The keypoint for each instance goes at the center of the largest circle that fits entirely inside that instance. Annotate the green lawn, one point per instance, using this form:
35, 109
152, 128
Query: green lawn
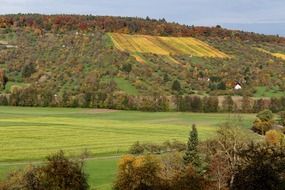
126, 86
9, 85
30, 134
102, 172
123, 85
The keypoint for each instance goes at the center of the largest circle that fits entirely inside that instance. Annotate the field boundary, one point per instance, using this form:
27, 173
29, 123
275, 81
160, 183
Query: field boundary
17, 163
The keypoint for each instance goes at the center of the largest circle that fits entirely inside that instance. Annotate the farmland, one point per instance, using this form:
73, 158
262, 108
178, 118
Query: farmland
29, 134
164, 45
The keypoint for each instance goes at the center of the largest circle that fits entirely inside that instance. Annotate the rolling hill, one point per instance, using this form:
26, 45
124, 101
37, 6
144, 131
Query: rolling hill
90, 61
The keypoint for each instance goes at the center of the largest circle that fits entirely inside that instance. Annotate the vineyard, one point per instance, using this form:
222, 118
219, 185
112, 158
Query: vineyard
278, 55
164, 45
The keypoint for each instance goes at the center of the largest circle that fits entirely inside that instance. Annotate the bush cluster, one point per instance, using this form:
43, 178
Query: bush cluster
59, 173
167, 146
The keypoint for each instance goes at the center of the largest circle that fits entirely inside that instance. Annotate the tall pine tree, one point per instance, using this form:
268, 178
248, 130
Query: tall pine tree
191, 154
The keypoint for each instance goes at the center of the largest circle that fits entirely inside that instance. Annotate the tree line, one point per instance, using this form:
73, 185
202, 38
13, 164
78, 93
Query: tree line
36, 96
128, 25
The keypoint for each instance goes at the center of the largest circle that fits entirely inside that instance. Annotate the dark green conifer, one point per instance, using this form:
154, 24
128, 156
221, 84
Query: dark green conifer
191, 154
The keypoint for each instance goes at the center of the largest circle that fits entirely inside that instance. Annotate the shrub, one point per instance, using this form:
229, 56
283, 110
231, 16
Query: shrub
261, 127
167, 146
228, 104
176, 86
27, 179
28, 70
157, 173
176, 146
211, 104
3, 100
265, 115
153, 148
275, 105
189, 179
261, 167
3, 79
136, 148
246, 105
264, 122
138, 173
259, 105
274, 137
282, 118
59, 173
64, 174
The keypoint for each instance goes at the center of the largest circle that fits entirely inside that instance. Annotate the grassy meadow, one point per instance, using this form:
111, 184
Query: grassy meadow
30, 134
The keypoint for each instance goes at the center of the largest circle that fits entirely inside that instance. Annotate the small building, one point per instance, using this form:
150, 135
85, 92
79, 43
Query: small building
238, 86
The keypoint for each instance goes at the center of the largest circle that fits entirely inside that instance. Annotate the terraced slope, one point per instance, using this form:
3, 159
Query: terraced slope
164, 45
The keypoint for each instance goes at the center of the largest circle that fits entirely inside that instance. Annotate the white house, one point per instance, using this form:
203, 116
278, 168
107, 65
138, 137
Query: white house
238, 86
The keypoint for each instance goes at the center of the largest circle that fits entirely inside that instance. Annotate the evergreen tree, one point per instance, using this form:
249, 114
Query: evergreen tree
176, 86
28, 70
127, 68
191, 154
166, 78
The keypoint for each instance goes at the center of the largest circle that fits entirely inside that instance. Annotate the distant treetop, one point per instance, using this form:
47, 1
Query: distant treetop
128, 25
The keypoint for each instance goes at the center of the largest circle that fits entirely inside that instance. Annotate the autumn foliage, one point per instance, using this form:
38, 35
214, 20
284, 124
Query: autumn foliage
157, 173
127, 25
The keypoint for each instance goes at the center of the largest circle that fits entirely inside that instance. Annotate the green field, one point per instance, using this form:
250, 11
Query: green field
101, 171
30, 134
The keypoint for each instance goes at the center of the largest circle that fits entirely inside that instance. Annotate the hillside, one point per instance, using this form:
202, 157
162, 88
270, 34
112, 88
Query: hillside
93, 61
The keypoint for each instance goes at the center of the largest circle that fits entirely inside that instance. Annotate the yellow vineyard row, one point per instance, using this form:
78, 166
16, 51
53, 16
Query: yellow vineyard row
164, 45
278, 55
